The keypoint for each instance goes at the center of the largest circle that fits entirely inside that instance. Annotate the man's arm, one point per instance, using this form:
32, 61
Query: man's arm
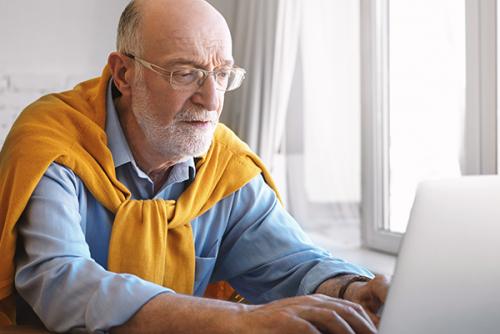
266, 255
168, 313
55, 272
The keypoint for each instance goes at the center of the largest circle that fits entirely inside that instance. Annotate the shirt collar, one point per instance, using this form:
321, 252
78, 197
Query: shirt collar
120, 149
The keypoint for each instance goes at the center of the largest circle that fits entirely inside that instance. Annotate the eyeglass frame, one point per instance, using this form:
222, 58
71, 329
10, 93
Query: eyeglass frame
168, 75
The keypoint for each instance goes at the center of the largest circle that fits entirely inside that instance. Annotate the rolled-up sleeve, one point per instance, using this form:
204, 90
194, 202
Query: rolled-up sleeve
56, 274
266, 255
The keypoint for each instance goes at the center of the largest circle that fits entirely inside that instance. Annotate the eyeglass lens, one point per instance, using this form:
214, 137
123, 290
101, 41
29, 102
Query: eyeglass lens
225, 79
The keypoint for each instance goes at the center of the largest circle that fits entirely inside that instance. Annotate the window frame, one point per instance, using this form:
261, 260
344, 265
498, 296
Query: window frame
480, 137
481, 87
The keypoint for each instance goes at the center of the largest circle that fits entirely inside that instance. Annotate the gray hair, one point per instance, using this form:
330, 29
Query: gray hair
129, 37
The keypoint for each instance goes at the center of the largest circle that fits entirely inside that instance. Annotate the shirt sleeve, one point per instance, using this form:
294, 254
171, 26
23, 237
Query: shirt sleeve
55, 273
265, 254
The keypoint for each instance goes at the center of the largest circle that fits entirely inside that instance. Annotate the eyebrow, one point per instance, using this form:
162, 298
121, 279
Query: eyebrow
184, 61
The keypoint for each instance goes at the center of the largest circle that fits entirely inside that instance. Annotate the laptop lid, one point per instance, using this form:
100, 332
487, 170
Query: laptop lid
447, 276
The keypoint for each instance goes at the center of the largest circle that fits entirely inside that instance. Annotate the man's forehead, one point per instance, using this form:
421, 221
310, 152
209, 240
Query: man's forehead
192, 45
208, 44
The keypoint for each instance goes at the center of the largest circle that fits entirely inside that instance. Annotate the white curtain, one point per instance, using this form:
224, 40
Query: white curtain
324, 149
265, 42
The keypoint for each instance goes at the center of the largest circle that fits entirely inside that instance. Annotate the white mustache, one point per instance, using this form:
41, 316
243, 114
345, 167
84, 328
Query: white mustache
200, 115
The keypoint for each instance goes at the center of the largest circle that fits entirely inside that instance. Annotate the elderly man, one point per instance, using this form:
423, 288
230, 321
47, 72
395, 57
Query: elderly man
128, 199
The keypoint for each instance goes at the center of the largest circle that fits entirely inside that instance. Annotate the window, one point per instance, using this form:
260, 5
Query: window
428, 110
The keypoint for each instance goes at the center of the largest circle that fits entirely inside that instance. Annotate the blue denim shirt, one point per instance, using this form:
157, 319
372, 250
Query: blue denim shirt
247, 238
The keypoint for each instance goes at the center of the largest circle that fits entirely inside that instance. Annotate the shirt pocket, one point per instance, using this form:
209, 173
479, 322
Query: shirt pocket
203, 271
205, 264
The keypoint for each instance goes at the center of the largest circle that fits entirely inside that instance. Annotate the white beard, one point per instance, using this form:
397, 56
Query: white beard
178, 139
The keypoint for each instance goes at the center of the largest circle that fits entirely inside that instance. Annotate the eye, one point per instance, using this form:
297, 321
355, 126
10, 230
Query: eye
185, 76
223, 74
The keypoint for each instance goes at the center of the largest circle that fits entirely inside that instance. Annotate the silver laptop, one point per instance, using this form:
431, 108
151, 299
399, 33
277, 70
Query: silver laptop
447, 277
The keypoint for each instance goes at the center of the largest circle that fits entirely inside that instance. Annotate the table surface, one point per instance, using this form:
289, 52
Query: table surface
22, 330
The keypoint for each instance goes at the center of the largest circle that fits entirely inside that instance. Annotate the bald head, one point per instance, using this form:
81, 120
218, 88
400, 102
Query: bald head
164, 24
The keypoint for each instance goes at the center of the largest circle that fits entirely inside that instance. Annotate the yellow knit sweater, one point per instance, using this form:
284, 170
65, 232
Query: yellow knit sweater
150, 238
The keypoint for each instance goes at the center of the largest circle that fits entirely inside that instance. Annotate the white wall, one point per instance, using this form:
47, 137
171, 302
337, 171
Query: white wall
57, 35
51, 45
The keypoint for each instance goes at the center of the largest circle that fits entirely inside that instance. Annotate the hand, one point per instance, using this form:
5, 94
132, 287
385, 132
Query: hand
312, 314
371, 295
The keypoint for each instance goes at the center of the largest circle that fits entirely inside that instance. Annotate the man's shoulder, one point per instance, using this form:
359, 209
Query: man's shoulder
225, 137
83, 103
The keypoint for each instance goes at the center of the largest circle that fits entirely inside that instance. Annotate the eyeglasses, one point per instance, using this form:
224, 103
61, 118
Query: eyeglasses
226, 79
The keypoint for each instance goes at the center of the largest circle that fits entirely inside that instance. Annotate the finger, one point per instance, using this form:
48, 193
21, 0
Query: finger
332, 303
303, 326
374, 318
372, 306
326, 320
357, 318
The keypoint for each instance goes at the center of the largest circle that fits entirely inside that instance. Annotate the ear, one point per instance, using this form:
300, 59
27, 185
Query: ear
122, 72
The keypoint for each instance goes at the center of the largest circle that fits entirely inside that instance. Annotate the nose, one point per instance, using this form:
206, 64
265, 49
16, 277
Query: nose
207, 94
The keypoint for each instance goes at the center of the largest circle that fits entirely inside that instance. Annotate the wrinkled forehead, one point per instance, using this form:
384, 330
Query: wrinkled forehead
209, 39
203, 49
